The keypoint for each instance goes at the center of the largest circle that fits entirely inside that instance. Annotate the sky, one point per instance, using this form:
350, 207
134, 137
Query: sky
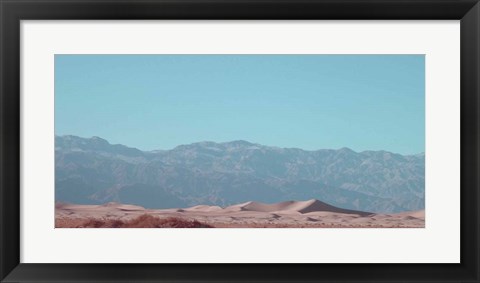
363, 102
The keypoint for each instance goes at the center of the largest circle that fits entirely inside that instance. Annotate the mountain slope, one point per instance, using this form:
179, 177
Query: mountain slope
93, 171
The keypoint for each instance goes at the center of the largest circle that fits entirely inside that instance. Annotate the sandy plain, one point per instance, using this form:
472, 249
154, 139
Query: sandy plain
289, 214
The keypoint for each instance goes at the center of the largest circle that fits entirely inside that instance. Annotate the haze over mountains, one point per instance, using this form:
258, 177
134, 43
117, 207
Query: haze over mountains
93, 171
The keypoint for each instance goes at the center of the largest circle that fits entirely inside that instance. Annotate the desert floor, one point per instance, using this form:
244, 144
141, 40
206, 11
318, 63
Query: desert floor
290, 214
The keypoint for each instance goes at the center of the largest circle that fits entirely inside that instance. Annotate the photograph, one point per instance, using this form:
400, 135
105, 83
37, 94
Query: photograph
306, 141
239, 140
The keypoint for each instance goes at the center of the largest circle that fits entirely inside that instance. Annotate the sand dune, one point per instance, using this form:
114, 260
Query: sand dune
203, 208
124, 207
302, 207
417, 214
311, 213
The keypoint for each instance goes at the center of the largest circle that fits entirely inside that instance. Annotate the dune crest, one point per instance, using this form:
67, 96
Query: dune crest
302, 207
203, 208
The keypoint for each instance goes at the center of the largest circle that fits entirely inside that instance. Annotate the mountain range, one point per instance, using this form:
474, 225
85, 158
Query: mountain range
93, 171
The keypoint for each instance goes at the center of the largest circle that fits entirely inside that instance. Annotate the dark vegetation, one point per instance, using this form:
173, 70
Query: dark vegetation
142, 221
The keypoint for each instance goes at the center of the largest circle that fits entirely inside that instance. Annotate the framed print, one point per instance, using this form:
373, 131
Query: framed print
238, 141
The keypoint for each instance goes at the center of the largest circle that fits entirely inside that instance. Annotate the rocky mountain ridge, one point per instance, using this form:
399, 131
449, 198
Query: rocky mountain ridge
93, 171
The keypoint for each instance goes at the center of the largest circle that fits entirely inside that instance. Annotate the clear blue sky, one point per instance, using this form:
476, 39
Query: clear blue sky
364, 102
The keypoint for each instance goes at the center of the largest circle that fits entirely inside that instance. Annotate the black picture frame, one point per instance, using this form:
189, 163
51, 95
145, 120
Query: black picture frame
13, 11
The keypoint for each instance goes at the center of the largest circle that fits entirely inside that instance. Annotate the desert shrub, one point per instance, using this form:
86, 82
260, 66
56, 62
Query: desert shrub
93, 223
142, 221
149, 221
